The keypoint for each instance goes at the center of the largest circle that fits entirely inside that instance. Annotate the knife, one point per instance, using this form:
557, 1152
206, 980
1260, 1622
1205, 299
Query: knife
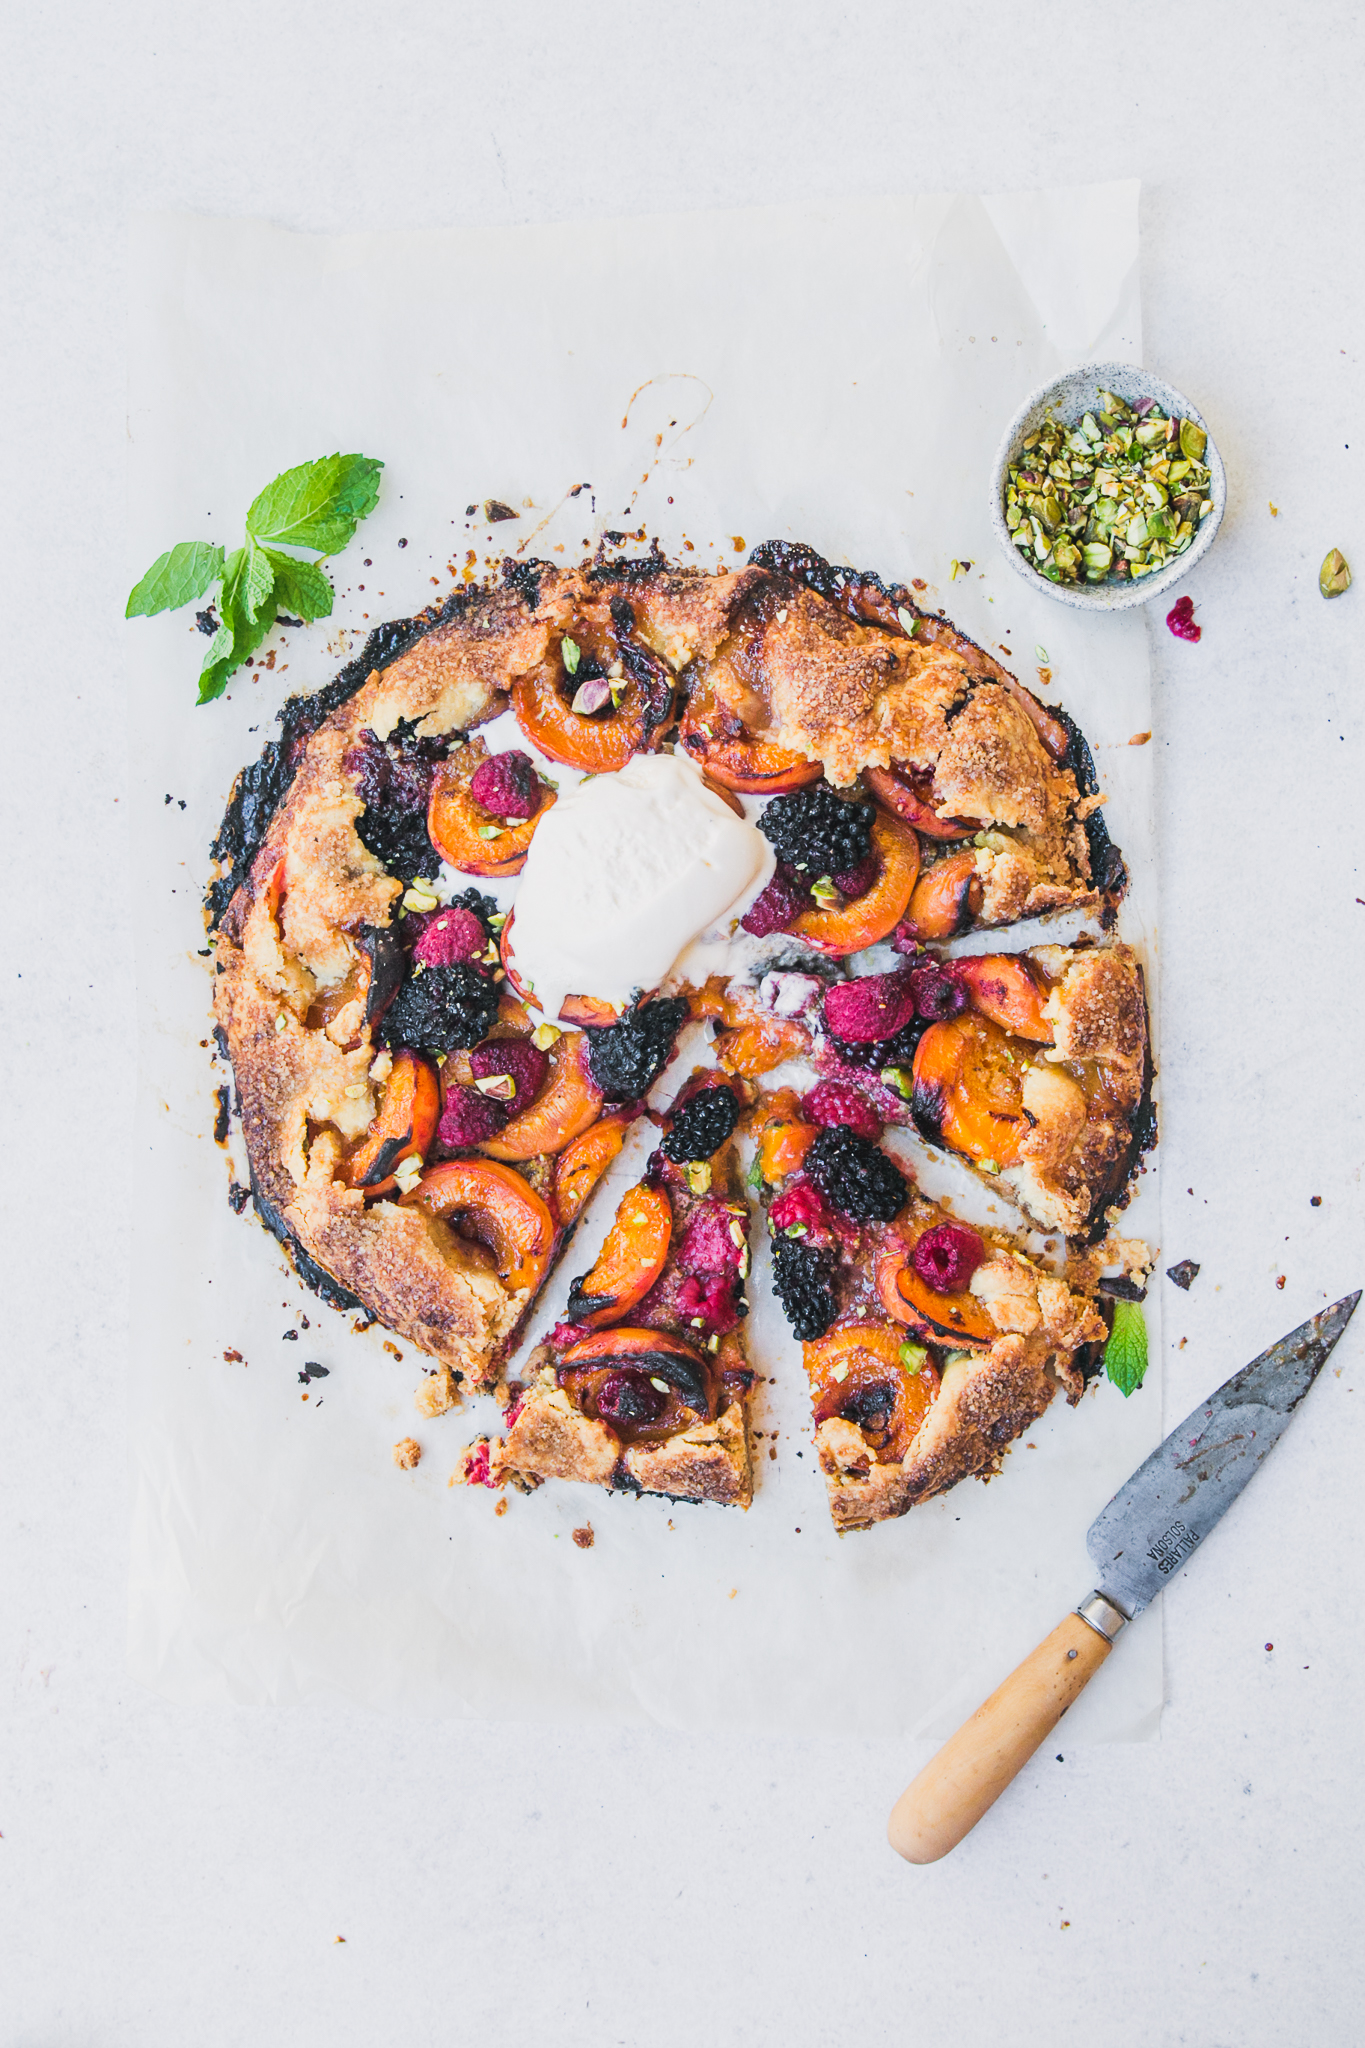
1151, 1526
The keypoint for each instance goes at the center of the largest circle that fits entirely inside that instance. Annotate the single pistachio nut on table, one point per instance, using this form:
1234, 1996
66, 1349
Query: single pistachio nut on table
1111, 497
1335, 574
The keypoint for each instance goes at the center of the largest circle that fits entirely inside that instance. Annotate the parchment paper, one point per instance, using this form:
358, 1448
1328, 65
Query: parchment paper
838, 375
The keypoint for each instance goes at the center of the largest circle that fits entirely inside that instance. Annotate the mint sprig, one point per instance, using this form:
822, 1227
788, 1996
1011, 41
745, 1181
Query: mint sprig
316, 506
1125, 1354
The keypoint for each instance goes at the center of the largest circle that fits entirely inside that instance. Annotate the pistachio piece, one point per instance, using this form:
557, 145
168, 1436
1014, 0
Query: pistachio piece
570, 653
1334, 576
591, 696
1193, 441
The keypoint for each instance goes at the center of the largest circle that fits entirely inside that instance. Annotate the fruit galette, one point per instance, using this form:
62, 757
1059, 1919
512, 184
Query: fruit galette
467, 903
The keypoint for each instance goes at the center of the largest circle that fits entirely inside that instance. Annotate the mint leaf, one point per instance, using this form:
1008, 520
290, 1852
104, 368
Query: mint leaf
248, 605
175, 578
318, 505
300, 586
1125, 1355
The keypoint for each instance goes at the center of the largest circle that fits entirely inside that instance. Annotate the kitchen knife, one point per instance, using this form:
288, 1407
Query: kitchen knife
1151, 1526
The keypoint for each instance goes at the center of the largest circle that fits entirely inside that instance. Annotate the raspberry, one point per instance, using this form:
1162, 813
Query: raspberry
1180, 619
702, 1125
937, 991
448, 936
947, 1256
855, 882
507, 786
838, 1102
702, 1303
874, 1007
629, 1398
801, 1277
801, 1203
514, 1056
818, 831
779, 905
856, 1176
467, 1118
708, 1244
564, 1334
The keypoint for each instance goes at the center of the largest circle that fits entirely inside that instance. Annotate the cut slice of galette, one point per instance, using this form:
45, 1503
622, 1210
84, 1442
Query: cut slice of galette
929, 1346
644, 1384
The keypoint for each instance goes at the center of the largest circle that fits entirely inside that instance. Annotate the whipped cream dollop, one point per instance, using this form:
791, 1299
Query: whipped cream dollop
623, 874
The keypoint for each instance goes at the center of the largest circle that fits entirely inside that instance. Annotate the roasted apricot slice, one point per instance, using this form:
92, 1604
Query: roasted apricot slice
499, 1209
630, 1261
911, 798
403, 1128
637, 1381
582, 1164
954, 1319
467, 836
968, 1090
719, 745
783, 1147
642, 705
568, 1104
856, 1371
868, 918
946, 898
760, 1045
1003, 988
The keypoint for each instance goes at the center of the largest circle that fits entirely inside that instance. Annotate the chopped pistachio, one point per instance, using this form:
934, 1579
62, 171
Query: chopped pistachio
662, 1385
545, 1035
899, 1078
713, 1343
491, 831
841, 1373
824, 892
1090, 501
1334, 576
419, 899
698, 1173
909, 623
988, 1165
914, 1357
571, 652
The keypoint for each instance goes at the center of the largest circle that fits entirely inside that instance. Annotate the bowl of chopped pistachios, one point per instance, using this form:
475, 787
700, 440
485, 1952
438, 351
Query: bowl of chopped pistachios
1107, 487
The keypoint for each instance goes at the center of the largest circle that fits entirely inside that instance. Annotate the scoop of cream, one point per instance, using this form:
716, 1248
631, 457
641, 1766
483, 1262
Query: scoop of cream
622, 875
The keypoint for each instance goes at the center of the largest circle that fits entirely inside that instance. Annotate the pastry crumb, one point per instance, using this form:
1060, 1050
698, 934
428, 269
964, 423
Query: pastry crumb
437, 1393
501, 1508
392, 1349
407, 1453
584, 1537
1139, 739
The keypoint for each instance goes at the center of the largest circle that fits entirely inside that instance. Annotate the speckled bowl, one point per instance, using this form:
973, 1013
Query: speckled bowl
1067, 398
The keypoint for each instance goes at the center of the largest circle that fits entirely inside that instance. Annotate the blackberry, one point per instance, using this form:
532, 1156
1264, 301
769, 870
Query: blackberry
626, 1059
881, 1052
393, 780
702, 1125
817, 831
442, 1009
801, 1277
856, 1176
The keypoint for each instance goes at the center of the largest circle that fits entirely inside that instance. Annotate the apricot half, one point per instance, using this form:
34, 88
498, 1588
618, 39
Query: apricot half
467, 836
911, 798
582, 1163
630, 1261
953, 1319
642, 705
1002, 988
501, 1211
866, 919
648, 1362
720, 746
403, 1128
856, 1371
968, 1090
569, 1102
946, 898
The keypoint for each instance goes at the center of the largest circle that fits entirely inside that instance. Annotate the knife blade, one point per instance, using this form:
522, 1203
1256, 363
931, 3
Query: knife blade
1156, 1520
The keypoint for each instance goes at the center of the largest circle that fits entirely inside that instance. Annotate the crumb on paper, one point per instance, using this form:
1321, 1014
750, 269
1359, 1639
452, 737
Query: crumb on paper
234, 1358
407, 1453
437, 1393
501, 1508
1045, 678
338, 1938
392, 1349
1139, 739
1280, 1282
584, 1537
1274, 510
733, 1591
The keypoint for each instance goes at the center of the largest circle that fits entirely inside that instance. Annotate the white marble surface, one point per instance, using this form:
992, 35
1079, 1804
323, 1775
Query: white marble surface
169, 1875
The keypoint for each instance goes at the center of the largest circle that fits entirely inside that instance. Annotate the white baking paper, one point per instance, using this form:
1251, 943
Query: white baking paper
836, 374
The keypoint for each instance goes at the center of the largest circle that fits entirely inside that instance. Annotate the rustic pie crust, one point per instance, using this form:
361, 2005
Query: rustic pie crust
771, 676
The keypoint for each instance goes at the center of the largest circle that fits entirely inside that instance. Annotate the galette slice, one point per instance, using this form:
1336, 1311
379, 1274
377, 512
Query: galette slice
644, 1385
1032, 1067
929, 1347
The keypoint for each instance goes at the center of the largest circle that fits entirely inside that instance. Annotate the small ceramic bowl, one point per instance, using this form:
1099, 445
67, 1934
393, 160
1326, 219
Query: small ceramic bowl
1067, 398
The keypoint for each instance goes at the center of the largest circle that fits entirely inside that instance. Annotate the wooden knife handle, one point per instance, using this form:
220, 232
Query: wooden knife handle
974, 1766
